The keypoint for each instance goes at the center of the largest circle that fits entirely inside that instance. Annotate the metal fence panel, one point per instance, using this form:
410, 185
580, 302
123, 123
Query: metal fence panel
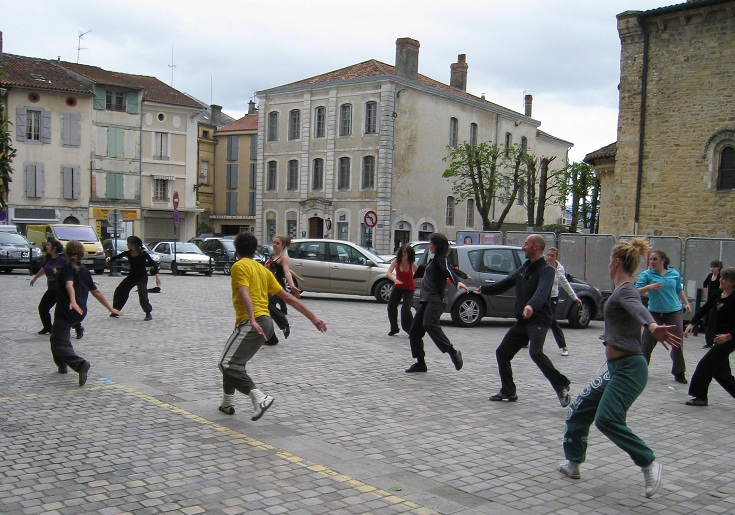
698, 252
519, 238
672, 246
481, 238
586, 256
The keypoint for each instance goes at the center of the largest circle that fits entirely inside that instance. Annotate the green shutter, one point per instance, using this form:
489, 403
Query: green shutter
99, 98
132, 104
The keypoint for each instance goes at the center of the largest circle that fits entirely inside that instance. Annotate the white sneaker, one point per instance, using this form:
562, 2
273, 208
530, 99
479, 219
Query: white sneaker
261, 403
570, 469
564, 398
651, 478
564, 352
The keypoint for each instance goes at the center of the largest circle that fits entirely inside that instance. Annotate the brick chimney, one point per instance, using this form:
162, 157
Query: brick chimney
407, 58
216, 115
527, 105
458, 77
251, 107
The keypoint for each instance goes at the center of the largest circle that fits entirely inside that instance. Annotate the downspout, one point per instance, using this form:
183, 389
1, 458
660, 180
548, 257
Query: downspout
641, 126
140, 164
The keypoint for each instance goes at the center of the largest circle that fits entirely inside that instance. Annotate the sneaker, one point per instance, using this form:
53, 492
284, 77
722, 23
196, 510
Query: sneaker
706, 345
393, 332
696, 402
262, 407
457, 360
564, 352
272, 341
113, 315
230, 410
569, 469
500, 396
651, 479
80, 332
680, 378
83, 370
564, 398
44, 331
417, 367
148, 317
286, 331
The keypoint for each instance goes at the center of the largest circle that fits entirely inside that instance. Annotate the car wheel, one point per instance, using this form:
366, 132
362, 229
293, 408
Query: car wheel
467, 311
287, 286
382, 290
227, 268
99, 271
579, 317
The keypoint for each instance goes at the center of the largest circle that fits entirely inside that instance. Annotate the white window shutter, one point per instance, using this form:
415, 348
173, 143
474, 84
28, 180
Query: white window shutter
20, 124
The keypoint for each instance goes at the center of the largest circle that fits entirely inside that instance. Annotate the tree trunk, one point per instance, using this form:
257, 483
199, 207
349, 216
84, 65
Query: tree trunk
542, 181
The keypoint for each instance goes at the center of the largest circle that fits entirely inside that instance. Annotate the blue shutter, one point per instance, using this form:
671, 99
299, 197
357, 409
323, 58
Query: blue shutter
132, 103
20, 124
100, 98
46, 126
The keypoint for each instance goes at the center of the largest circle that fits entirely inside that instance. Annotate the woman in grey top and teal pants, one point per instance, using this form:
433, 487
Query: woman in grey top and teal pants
606, 400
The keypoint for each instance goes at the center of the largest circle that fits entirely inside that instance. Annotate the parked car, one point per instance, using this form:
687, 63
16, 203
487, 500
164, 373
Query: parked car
492, 263
222, 252
336, 266
187, 258
122, 264
18, 252
385, 257
265, 250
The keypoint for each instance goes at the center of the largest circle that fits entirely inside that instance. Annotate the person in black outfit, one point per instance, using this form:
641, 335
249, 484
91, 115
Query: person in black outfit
716, 363
533, 281
279, 265
75, 285
139, 261
711, 284
432, 305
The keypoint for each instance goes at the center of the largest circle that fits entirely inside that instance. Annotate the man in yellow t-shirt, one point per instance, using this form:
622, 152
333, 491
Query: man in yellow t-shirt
251, 283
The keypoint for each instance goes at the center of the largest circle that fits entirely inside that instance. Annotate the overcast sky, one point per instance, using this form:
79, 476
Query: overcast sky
566, 53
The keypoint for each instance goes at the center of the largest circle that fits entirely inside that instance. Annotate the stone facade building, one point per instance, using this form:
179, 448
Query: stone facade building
370, 139
674, 162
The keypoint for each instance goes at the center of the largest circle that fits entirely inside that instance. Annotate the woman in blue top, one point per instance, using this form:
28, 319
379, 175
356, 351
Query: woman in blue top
666, 299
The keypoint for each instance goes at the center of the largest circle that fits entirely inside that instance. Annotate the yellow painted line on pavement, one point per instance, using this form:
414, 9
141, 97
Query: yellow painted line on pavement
389, 497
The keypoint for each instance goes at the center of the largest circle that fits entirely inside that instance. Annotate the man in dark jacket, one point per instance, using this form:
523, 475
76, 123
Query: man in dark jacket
533, 281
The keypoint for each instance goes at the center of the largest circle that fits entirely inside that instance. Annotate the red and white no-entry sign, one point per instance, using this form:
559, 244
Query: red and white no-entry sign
371, 219
176, 199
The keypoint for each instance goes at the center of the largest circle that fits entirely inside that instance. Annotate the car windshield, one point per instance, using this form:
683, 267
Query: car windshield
9, 238
228, 244
75, 232
372, 254
187, 248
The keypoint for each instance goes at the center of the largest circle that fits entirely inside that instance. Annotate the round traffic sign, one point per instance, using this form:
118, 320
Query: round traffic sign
176, 199
371, 219
114, 215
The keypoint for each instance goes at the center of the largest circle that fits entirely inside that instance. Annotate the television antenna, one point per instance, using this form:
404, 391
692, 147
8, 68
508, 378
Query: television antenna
79, 43
172, 66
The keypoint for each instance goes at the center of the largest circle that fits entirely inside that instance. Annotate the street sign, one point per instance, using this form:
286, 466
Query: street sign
328, 224
114, 216
371, 219
3, 215
176, 199
176, 217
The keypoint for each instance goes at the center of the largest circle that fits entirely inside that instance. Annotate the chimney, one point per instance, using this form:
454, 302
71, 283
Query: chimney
527, 105
458, 77
1, 47
407, 58
216, 115
251, 107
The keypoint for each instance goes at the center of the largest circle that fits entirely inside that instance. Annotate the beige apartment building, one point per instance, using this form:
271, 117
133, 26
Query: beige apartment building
357, 153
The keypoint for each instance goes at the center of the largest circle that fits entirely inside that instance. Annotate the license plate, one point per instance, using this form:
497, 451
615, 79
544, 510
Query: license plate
87, 262
24, 255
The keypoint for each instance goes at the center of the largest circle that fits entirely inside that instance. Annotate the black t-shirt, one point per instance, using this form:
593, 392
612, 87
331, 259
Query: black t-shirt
83, 284
712, 285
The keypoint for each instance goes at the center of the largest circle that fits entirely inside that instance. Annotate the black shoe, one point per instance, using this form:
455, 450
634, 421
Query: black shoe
272, 341
44, 331
80, 332
83, 373
696, 402
148, 317
680, 378
63, 369
708, 345
286, 331
417, 367
457, 360
113, 315
501, 397
393, 332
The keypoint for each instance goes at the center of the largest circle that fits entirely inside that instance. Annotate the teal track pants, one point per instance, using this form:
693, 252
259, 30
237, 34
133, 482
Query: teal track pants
605, 401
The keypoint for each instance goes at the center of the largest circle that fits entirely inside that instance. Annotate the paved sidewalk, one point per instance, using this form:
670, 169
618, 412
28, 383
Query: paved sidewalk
349, 431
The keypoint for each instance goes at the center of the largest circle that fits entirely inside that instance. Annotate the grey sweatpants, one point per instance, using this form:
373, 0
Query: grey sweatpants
242, 345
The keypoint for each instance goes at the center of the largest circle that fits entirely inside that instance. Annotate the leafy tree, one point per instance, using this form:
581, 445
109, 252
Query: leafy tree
581, 184
7, 153
487, 172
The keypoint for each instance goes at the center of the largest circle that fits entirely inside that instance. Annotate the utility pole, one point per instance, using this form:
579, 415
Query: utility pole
172, 66
79, 43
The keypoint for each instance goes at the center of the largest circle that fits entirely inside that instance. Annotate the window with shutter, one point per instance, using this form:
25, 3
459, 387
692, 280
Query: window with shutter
71, 129
132, 102
231, 203
251, 203
368, 172
21, 117
115, 142
33, 125
114, 185
232, 173
160, 146
233, 143
343, 175
271, 176
34, 180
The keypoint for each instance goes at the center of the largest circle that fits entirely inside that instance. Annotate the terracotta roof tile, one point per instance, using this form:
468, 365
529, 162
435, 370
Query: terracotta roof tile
40, 74
605, 152
374, 69
154, 89
249, 122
